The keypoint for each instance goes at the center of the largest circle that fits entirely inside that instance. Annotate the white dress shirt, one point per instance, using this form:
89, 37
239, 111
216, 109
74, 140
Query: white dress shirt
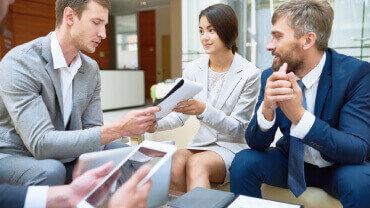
36, 197
311, 82
66, 75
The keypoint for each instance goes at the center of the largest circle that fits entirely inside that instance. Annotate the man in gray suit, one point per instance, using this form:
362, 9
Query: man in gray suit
50, 109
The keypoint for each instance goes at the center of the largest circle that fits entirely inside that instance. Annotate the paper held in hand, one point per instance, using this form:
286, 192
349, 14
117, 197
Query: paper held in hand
183, 90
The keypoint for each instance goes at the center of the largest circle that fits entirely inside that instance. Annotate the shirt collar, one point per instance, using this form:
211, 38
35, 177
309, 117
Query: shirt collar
58, 57
313, 76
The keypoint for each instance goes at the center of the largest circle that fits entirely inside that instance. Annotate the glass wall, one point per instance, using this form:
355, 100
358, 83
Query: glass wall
126, 40
350, 33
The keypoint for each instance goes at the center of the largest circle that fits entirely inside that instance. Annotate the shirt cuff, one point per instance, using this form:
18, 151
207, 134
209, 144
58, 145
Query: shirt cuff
304, 125
201, 116
36, 197
264, 124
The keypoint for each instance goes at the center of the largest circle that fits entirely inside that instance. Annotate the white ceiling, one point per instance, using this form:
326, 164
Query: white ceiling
120, 7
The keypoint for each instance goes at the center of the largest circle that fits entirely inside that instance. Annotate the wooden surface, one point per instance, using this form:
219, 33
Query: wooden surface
147, 48
166, 57
31, 19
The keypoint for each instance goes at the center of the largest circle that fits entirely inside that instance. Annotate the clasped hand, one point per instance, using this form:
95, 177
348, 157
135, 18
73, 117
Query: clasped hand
189, 107
283, 91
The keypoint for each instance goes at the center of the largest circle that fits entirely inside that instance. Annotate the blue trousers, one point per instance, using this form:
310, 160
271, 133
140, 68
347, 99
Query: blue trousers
348, 183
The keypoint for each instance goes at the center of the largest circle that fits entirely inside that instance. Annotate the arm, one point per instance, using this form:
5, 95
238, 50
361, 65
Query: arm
93, 114
348, 142
175, 119
20, 90
12, 196
235, 124
255, 137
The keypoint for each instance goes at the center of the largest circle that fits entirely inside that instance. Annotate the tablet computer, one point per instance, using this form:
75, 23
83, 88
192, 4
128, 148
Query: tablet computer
159, 157
91, 160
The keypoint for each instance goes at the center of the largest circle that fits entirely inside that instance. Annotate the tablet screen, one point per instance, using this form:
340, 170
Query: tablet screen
142, 156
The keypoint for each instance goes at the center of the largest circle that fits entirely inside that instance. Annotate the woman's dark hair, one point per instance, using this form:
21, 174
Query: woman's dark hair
223, 19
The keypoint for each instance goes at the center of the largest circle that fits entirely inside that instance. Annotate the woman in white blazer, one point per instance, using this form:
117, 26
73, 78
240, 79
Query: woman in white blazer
224, 107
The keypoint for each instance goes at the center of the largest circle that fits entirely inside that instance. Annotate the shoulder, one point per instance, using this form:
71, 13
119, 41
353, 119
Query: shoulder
348, 67
88, 62
24, 59
198, 63
248, 69
26, 51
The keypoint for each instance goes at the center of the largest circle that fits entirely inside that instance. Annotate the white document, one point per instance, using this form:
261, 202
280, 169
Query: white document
251, 202
183, 90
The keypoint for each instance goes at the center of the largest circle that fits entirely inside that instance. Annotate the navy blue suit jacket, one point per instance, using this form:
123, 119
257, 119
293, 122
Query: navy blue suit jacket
341, 131
12, 196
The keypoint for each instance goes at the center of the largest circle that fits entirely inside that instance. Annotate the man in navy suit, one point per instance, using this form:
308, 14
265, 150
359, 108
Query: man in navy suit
320, 100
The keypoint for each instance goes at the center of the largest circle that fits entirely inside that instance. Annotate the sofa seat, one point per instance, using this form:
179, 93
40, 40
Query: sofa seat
311, 198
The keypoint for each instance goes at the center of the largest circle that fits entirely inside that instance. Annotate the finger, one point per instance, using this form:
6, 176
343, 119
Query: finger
189, 102
184, 102
294, 82
279, 91
149, 118
112, 179
278, 76
148, 111
283, 68
145, 189
146, 125
280, 98
102, 170
279, 84
76, 172
182, 109
138, 175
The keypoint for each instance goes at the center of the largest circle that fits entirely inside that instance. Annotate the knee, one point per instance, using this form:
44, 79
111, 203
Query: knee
354, 186
115, 145
178, 165
51, 172
195, 168
244, 163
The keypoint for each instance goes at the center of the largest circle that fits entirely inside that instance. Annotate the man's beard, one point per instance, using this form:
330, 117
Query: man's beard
294, 64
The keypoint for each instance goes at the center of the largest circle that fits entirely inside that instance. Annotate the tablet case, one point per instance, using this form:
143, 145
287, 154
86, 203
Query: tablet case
203, 197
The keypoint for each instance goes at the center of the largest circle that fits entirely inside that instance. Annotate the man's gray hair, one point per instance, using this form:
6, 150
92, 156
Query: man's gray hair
306, 16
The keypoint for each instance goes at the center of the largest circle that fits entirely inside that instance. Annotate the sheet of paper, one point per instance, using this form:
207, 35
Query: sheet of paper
251, 202
183, 90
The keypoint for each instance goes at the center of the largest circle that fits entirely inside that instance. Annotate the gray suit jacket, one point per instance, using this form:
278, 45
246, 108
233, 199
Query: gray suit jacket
225, 123
31, 119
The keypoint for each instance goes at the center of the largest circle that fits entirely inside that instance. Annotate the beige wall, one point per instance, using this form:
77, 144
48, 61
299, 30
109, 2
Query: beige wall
162, 25
176, 41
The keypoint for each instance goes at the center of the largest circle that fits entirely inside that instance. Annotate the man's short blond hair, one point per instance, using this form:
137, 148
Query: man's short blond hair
306, 16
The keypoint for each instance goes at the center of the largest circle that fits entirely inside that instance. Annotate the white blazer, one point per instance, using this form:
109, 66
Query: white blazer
225, 123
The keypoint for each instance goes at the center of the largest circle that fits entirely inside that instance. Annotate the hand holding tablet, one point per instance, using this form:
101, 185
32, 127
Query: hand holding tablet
157, 155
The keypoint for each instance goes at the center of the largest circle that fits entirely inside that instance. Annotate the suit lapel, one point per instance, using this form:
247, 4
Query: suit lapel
79, 91
324, 86
231, 80
54, 74
203, 77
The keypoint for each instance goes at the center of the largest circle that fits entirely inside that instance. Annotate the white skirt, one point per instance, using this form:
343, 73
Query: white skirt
227, 156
